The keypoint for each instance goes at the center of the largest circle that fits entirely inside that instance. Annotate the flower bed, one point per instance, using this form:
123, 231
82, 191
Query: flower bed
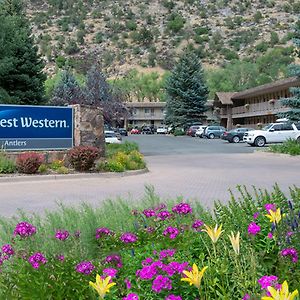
247, 249
119, 158
291, 147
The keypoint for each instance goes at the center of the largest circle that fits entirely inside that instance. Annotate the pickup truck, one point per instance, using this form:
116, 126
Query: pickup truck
273, 133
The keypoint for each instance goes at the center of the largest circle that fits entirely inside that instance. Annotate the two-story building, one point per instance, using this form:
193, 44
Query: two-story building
153, 114
145, 114
253, 107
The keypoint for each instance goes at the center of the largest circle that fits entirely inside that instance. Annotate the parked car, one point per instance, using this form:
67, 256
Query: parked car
212, 132
135, 131
273, 133
235, 135
192, 130
147, 130
162, 130
123, 131
111, 138
200, 131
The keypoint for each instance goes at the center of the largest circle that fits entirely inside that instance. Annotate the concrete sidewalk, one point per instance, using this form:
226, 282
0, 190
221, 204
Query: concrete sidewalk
205, 177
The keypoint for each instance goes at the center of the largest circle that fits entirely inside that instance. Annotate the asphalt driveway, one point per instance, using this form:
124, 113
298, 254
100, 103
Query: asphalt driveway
152, 145
194, 169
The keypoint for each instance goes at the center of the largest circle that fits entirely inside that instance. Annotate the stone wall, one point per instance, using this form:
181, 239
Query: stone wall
88, 127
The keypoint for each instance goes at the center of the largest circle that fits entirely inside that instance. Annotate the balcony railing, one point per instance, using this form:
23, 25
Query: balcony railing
263, 108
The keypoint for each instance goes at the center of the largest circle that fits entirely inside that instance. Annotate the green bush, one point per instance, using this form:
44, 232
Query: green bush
43, 168
291, 147
178, 132
7, 166
176, 22
62, 170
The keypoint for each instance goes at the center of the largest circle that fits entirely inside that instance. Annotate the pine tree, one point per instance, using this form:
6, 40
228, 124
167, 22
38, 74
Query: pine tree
21, 69
67, 91
186, 92
294, 102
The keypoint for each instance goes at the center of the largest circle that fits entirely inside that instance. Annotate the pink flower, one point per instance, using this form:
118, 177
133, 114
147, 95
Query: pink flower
267, 281
182, 209
270, 206
255, 216
166, 253
131, 296
128, 237
161, 283
270, 235
128, 284
292, 252
173, 297
172, 232
253, 228
246, 297
110, 272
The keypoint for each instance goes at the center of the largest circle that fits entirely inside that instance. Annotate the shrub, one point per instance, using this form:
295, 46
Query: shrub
178, 132
56, 164
29, 162
176, 22
43, 168
115, 166
291, 147
6, 165
127, 147
62, 170
83, 158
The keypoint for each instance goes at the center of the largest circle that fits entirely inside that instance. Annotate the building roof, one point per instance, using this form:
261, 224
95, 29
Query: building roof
145, 104
267, 88
224, 97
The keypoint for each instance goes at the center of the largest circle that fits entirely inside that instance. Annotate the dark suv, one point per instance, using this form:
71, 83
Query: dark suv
235, 135
212, 132
192, 130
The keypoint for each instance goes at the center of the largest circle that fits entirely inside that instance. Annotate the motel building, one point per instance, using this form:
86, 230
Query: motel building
153, 114
254, 107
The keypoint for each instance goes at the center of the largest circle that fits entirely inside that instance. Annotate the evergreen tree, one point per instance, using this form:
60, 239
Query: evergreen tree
294, 102
21, 75
67, 91
186, 92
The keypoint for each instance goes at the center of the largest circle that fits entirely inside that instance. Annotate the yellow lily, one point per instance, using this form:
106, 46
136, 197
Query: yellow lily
235, 242
215, 233
102, 286
281, 294
274, 216
194, 277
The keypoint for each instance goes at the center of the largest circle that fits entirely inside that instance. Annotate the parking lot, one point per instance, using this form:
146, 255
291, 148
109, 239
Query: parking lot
196, 169
151, 145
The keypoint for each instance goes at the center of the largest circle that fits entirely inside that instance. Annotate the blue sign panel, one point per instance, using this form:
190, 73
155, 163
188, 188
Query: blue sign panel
35, 127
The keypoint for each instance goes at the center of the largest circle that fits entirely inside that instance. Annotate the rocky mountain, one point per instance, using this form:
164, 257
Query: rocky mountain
149, 34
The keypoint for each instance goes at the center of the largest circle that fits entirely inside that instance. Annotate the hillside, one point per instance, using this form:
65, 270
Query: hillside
126, 34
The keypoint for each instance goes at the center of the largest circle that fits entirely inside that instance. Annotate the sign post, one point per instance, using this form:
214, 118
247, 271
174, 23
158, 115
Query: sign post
35, 127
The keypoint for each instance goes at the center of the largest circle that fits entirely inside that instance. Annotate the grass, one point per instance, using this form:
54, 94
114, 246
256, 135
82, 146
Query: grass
291, 147
127, 147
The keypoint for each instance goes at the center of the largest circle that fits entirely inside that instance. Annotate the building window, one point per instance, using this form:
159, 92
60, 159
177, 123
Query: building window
134, 111
152, 112
147, 110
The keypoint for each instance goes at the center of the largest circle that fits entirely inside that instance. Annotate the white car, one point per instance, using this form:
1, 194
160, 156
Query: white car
273, 133
162, 130
111, 138
200, 131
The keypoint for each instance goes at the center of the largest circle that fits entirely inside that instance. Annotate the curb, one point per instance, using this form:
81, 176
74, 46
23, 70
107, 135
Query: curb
27, 178
275, 154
